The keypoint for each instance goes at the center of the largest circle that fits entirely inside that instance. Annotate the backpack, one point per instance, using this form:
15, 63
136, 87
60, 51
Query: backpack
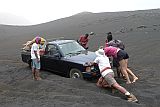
117, 43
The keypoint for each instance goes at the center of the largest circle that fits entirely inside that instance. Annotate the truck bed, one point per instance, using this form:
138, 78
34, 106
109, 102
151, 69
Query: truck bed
26, 56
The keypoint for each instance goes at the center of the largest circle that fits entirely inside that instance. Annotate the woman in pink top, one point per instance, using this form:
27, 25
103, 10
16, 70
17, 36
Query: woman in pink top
122, 57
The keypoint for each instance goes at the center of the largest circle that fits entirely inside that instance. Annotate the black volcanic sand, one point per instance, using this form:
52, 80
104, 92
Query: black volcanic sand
140, 32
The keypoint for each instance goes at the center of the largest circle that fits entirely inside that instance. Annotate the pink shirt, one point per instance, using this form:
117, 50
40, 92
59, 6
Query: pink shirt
111, 51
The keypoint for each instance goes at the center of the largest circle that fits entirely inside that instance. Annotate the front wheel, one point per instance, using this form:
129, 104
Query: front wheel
75, 73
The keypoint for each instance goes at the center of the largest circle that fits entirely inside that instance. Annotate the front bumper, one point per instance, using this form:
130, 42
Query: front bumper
92, 74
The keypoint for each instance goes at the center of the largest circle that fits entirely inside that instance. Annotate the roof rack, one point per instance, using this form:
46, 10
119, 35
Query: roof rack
53, 39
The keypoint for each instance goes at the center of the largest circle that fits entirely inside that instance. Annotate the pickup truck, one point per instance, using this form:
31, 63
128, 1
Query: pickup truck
66, 57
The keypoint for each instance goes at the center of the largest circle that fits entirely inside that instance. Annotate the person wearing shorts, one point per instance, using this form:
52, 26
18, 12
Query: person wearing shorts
121, 54
122, 58
35, 56
110, 78
36, 64
107, 73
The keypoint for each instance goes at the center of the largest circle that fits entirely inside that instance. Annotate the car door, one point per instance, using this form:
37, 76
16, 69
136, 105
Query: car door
51, 60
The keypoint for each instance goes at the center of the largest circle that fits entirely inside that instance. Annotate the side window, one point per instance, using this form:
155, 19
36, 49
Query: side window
52, 50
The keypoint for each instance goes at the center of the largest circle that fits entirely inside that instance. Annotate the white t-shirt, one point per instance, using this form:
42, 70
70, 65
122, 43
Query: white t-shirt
35, 47
103, 62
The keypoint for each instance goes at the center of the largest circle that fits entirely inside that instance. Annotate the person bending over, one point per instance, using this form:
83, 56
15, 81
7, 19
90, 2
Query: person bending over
122, 58
107, 73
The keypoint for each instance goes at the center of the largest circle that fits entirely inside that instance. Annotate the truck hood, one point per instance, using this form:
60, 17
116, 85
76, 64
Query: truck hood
82, 58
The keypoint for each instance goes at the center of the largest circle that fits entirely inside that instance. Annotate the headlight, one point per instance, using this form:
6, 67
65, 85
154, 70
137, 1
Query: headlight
89, 67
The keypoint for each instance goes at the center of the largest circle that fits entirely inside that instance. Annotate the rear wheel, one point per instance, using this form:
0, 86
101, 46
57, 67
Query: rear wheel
75, 73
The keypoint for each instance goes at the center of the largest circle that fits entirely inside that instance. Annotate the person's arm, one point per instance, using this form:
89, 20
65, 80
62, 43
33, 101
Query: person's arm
96, 61
35, 52
92, 63
80, 39
89, 63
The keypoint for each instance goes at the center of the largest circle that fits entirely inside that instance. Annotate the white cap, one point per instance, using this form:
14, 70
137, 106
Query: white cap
99, 52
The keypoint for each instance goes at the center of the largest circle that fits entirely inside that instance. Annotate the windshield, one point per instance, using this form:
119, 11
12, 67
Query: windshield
71, 48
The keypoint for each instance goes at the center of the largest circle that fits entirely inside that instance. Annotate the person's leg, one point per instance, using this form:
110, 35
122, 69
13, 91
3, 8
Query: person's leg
121, 74
37, 75
115, 64
33, 73
131, 73
33, 69
37, 71
130, 97
120, 88
133, 76
118, 72
112, 82
123, 66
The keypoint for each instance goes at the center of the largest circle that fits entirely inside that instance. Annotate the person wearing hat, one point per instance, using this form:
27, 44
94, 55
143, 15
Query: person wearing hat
107, 73
122, 58
35, 56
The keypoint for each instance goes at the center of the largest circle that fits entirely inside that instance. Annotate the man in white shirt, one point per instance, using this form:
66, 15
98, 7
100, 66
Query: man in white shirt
36, 59
107, 73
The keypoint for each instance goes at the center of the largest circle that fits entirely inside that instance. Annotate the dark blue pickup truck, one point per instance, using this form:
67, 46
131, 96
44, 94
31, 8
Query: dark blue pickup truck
66, 57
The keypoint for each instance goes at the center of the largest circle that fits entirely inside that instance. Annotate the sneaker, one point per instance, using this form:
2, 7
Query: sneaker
132, 98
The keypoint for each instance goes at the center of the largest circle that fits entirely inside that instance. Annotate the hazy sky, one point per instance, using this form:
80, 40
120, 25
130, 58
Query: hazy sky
40, 11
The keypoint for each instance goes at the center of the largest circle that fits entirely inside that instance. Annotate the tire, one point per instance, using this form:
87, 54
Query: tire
75, 73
